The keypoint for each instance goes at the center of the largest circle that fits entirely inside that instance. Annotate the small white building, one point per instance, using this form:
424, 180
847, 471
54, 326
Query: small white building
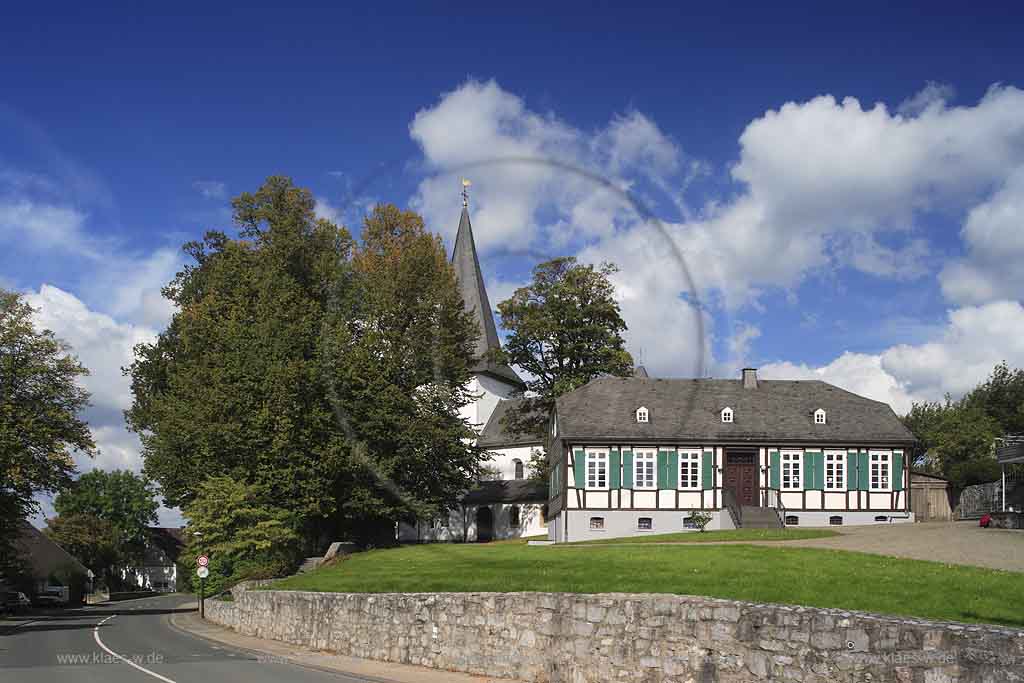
506, 503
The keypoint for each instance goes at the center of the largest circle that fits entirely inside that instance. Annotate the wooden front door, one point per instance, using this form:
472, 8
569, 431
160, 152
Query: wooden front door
741, 476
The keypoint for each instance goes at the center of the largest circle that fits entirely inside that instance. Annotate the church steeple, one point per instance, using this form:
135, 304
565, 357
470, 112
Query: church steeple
474, 295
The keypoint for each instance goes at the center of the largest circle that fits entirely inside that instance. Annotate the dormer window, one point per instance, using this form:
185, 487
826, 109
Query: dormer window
727, 415
819, 416
642, 415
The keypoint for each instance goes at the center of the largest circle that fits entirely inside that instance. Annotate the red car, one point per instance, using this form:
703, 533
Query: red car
985, 520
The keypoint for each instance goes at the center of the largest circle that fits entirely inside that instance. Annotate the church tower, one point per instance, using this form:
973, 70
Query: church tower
491, 381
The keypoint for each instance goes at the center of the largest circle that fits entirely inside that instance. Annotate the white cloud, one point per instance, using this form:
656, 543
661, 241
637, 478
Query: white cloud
104, 345
994, 238
211, 189
43, 226
975, 339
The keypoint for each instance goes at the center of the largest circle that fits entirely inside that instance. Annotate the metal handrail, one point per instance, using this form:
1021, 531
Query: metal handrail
773, 499
735, 510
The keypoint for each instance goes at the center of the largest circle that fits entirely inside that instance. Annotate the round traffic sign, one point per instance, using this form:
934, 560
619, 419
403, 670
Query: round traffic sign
202, 560
202, 572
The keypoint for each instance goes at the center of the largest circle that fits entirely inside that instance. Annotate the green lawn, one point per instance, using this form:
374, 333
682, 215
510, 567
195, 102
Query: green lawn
717, 536
804, 576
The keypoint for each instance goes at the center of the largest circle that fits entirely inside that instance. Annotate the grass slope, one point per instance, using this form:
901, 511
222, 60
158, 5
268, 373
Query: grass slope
717, 536
804, 576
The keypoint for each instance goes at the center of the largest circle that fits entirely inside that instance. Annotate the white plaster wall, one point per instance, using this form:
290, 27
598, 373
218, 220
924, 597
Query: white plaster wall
503, 461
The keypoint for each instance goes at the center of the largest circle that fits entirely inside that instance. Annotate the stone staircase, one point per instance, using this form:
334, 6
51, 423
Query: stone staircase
760, 518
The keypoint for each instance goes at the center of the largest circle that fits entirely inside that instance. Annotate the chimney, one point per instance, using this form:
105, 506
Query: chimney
750, 378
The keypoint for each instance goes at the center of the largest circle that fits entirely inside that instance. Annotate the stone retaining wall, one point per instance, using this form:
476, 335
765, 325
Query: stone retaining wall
569, 638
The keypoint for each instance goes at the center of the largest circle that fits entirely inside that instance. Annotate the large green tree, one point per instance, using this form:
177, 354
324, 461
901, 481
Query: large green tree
398, 349
120, 497
40, 424
564, 329
234, 386
955, 438
95, 542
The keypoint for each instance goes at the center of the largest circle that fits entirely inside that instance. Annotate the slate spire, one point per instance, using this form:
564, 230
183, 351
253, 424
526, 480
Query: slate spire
474, 295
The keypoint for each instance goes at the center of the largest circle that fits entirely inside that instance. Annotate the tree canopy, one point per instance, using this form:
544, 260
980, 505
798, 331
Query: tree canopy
95, 542
40, 424
326, 374
121, 498
956, 438
564, 329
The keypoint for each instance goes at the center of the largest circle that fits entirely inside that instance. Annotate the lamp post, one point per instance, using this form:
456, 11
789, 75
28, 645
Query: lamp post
202, 580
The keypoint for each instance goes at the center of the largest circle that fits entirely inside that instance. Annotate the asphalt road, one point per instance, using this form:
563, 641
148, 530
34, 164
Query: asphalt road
89, 645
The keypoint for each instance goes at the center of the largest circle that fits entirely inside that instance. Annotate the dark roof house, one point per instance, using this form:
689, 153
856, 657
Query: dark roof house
776, 410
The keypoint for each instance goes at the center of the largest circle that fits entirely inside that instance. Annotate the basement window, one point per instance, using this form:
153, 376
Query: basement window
645, 524
792, 520
688, 523
881, 518
597, 523
835, 520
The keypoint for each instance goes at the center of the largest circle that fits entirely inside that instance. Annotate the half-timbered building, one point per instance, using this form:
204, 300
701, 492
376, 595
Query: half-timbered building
642, 455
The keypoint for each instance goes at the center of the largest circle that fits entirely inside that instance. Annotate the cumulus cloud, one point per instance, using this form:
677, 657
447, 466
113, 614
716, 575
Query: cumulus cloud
105, 346
994, 238
974, 340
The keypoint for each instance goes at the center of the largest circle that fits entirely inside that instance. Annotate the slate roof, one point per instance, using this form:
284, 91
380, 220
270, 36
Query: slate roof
774, 411
496, 433
507, 491
42, 556
474, 295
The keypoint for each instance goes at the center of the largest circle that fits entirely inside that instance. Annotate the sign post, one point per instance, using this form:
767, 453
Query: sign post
202, 572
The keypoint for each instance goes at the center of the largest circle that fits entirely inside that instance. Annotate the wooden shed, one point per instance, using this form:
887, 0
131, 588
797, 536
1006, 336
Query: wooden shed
930, 498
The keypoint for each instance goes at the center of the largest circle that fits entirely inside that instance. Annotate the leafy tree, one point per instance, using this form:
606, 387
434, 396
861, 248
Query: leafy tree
1002, 398
40, 427
95, 542
125, 500
565, 329
398, 347
234, 387
244, 534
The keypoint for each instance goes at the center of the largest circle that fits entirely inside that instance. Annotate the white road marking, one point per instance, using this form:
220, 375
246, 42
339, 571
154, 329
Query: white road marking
96, 635
27, 623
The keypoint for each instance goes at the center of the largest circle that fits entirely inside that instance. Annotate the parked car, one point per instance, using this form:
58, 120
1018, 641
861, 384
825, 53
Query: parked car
17, 602
51, 598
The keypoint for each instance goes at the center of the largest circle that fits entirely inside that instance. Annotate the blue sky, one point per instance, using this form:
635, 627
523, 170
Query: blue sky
846, 190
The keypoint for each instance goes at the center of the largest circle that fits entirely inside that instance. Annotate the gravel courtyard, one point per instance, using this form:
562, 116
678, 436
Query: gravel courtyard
952, 542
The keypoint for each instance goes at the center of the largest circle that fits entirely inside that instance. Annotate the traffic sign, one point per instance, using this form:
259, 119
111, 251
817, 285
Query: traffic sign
202, 572
202, 560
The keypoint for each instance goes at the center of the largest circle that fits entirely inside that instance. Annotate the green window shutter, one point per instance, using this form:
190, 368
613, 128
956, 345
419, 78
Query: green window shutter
580, 468
663, 470
776, 473
672, 470
815, 469
627, 468
897, 471
613, 465
864, 471
707, 464
852, 482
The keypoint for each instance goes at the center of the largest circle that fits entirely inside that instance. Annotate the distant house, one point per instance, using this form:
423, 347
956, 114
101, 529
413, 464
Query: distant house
159, 569
50, 568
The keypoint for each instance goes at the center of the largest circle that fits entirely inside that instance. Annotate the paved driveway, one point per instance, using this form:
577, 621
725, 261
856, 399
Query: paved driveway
952, 542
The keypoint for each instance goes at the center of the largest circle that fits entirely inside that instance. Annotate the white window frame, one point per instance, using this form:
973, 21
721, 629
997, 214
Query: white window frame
645, 455
690, 457
597, 455
882, 457
791, 458
518, 467
838, 461
727, 415
643, 416
820, 412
